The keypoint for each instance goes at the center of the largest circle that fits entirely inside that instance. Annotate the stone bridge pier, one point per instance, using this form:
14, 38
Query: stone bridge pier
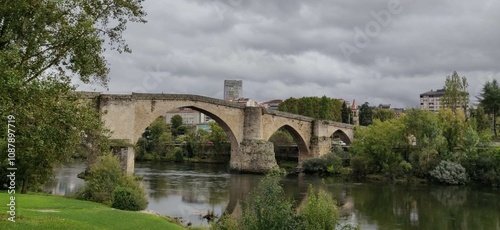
255, 153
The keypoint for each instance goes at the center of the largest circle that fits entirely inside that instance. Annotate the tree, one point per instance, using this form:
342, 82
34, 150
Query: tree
384, 114
365, 114
40, 38
320, 108
218, 137
490, 101
481, 121
176, 122
453, 127
157, 140
48, 131
382, 142
346, 114
42, 45
456, 95
282, 137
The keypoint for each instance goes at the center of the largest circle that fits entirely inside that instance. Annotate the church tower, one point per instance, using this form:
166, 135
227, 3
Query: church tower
355, 113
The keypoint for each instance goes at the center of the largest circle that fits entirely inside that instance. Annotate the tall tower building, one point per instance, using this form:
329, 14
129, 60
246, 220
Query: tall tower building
233, 89
355, 113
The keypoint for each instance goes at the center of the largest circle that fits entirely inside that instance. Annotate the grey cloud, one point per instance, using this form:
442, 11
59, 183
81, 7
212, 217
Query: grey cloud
291, 48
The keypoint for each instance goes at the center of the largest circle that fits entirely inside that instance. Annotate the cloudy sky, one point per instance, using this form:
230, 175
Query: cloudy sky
379, 51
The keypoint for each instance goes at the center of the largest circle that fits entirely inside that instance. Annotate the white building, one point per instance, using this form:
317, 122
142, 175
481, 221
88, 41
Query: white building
272, 104
189, 116
431, 100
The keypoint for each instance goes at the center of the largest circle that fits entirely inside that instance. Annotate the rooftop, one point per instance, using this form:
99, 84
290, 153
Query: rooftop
439, 92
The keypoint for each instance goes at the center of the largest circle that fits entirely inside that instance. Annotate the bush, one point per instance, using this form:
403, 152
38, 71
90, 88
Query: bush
320, 211
423, 161
178, 155
450, 173
226, 222
105, 176
361, 166
267, 207
330, 162
484, 167
314, 165
128, 199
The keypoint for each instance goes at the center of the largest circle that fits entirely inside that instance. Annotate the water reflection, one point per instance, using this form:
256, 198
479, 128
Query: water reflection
65, 180
190, 190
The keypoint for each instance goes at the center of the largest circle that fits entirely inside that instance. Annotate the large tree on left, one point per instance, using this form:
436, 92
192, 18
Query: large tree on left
43, 44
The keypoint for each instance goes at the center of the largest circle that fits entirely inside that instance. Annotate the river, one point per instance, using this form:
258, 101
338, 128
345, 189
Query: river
189, 190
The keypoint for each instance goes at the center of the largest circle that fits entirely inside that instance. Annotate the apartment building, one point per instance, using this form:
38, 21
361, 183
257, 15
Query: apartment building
431, 100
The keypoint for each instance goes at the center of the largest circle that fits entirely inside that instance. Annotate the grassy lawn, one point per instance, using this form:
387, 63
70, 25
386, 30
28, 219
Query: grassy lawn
53, 212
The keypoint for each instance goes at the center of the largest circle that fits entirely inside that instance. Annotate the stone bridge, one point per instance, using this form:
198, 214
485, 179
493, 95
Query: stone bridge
248, 128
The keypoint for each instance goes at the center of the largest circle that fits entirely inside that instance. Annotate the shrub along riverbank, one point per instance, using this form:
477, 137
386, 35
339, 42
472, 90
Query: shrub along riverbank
36, 211
443, 147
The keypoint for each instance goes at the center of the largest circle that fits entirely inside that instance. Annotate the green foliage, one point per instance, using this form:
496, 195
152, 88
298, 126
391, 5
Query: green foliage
480, 119
384, 114
178, 155
330, 162
320, 211
219, 139
484, 167
313, 165
267, 207
346, 114
453, 127
50, 124
316, 107
423, 126
282, 137
64, 37
156, 140
427, 144
423, 161
382, 143
106, 175
225, 223
176, 121
490, 101
361, 166
450, 173
42, 45
456, 95
128, 199
365, 114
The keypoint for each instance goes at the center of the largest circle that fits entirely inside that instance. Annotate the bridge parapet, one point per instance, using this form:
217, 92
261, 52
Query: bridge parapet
160, 96
338, 124
186, 97
288, 115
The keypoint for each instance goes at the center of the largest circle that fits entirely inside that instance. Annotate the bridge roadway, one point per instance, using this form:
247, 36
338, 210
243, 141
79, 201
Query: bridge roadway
248, 128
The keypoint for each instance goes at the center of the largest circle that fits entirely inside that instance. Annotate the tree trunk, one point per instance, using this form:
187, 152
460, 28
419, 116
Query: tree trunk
495, 123
24, 190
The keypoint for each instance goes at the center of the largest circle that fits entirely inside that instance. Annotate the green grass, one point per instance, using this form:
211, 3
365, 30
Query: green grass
74, 214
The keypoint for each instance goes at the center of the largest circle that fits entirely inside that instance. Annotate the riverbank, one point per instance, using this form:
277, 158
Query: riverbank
38, 211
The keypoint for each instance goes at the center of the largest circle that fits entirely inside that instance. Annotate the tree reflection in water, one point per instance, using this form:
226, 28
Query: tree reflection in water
191, 190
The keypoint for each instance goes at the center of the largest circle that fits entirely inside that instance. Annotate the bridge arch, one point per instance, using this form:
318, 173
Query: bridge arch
158, 108
342, 136
298, 138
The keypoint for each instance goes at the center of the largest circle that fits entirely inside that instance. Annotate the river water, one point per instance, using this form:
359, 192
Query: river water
189, 190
